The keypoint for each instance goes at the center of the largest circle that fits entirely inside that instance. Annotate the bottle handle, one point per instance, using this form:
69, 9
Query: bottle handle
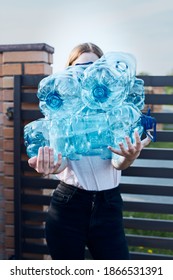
149, 123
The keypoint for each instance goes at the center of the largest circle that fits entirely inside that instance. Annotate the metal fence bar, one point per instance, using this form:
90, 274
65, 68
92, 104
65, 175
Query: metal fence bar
17, 167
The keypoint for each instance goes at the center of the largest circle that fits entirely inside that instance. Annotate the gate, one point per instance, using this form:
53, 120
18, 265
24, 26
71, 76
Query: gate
146, 186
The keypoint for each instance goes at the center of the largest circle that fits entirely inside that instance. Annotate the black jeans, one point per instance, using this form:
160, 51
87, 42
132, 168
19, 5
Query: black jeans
77, 218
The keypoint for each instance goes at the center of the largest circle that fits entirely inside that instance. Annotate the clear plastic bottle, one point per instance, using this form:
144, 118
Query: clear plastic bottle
136, 94
91, 134
61, 93
62, 138
83, 135
36, 135
122, 122
91, 131
107, 81
122, 64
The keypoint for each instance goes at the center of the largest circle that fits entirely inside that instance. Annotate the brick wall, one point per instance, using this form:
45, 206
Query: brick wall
19, 59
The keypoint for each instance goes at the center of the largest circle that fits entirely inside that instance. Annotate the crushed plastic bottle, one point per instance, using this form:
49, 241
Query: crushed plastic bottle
107, 82
36, 135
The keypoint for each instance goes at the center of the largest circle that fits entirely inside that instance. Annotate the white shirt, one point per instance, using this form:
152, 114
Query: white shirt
91, 173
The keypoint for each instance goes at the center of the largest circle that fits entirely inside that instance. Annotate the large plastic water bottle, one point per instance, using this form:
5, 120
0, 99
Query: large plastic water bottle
107, 81
136, 95
122, 120
123, 65
92, 131
61, 93
62, 138
36, 135
83, 135
99, 89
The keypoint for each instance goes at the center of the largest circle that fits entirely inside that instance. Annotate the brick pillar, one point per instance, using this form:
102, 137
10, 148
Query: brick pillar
29, 59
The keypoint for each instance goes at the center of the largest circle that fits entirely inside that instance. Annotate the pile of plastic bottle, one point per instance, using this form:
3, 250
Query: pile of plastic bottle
89, 107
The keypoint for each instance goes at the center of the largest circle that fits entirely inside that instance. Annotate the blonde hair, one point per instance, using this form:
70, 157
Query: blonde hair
83, 48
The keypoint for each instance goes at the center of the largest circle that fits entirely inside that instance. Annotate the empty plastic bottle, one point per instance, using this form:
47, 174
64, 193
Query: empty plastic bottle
136, 94
83, 135
92, 131
61, 93
108, 81
36, 135
100, 89
61, 138
123, 65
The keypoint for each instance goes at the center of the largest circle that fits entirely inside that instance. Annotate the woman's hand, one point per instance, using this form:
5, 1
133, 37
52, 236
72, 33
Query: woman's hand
44, 162
129, 154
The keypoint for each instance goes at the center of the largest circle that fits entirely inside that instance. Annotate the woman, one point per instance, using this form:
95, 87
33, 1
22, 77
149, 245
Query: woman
86, 207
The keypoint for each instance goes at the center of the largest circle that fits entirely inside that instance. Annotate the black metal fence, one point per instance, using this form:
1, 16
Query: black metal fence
146, 187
